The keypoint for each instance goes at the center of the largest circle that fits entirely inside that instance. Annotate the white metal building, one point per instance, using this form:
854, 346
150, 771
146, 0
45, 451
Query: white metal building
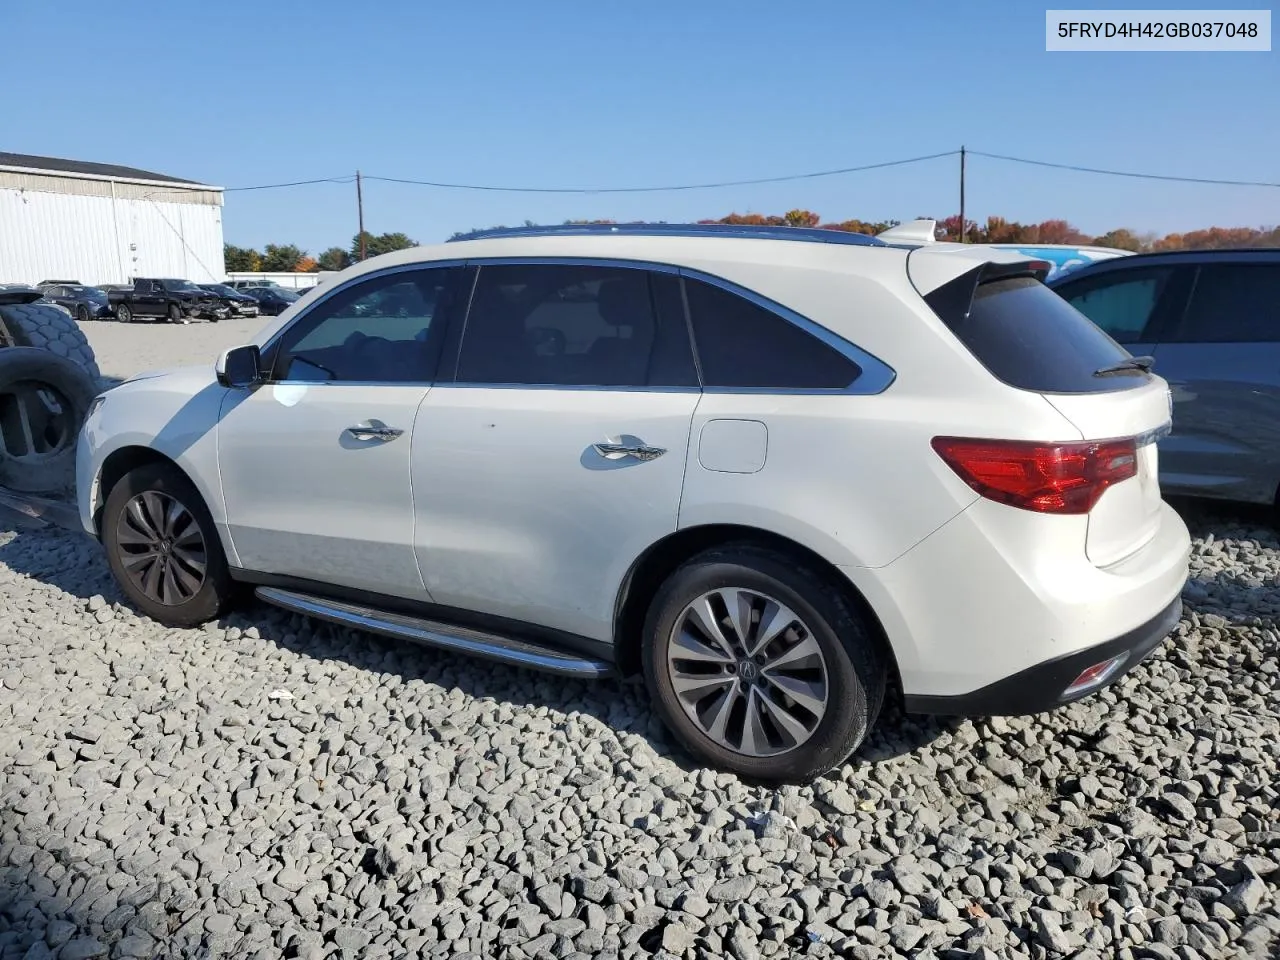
101, 223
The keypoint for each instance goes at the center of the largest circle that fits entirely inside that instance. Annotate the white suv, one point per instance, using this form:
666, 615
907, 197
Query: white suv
768, 469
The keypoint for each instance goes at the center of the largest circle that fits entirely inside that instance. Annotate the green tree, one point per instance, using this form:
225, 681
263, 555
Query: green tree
1121, 239
335, 258
380, 244
240, 259
281, 259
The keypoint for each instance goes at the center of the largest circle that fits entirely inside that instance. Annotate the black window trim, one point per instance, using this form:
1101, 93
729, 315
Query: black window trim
875, 376
270, 350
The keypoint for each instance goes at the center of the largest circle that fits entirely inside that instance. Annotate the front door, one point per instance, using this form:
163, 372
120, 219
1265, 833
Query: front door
558, 454
315, 463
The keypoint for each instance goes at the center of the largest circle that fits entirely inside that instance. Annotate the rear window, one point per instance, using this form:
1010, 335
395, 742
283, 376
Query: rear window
1032, 339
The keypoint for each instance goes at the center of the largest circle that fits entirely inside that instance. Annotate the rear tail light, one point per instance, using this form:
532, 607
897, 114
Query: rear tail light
1059, 478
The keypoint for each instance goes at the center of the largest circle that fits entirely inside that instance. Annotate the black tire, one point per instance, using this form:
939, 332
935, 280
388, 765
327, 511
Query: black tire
44, 399
856, 673
123, 313
82, 313
175, 313
217, 590
48, 328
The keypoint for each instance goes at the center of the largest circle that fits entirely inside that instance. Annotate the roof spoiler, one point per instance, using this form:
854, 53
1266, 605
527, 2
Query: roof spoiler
954, 299
918, 232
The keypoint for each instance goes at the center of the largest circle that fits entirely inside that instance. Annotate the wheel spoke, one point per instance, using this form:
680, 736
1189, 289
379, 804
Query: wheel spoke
753, 736
811, 696
131, 537
153, 507
688, 647
738, 603
704, 618
719, 720
695, 687
169, 592
151, 582
189, 581
132, 560
190, 537
173, 513
784, 720
775, 619
141, 522
808, 647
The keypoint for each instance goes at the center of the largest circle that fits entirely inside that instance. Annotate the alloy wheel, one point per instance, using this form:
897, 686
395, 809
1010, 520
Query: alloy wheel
748, 672
162, 548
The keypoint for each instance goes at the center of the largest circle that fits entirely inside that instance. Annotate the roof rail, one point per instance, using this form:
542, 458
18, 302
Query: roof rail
809, 234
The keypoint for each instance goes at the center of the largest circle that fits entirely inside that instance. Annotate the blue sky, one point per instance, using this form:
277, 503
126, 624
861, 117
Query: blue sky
600, 94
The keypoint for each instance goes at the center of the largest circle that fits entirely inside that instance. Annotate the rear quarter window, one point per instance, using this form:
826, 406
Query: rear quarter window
1032, 339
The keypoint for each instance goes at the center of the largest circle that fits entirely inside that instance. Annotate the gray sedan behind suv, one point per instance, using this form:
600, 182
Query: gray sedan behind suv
1211, 320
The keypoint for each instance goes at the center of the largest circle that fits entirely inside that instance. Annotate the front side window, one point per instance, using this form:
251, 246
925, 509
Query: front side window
741, 344
383, 330
574, 325
1123, 302
1233, 303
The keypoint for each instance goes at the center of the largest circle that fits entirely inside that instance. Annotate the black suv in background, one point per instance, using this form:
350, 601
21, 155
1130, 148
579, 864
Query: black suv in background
1211, 320
239, 302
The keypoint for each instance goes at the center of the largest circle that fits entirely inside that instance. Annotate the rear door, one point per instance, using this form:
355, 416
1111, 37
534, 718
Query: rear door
1222, 360
1032, 339
557, 455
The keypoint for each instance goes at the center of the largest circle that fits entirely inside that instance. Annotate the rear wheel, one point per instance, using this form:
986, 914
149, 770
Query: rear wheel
761, 666
163, 548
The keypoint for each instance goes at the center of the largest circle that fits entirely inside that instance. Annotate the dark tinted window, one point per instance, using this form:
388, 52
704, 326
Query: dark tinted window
1121, 302
570, 325
1031, 338
741, 344
1233, 303
384, 330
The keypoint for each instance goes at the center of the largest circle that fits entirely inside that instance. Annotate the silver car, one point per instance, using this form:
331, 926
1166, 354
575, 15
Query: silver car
1211, 321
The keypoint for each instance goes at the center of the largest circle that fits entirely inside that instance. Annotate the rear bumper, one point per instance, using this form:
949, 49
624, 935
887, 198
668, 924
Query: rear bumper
1043, 687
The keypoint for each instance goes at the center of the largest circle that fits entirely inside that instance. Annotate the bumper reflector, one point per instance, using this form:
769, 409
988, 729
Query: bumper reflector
1094, 676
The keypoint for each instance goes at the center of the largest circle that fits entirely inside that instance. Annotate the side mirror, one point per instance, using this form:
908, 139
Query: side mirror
240, 367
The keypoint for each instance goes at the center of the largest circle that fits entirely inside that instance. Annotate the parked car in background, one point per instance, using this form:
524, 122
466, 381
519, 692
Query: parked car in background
240, 304
245, 284
272, 301
177, 301
85, 303
1211, 321
39, 297
766, 468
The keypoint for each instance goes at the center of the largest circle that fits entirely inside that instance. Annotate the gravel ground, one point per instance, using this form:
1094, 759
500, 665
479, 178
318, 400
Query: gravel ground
271, 786
125, 349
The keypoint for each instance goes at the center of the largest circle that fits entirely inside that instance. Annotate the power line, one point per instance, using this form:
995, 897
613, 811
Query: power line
666, 189
1123, 173
295, 183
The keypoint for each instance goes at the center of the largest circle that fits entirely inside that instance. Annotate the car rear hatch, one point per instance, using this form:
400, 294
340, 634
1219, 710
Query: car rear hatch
1031, 339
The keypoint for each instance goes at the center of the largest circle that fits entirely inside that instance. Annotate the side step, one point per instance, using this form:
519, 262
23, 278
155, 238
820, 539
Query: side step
459, 639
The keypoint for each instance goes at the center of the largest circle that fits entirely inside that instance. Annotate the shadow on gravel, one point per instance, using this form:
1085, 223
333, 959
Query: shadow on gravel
73, 563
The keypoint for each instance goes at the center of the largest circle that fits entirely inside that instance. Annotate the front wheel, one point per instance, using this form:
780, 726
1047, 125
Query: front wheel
163, 549
82, 313
175, 313
124, 314
761, 666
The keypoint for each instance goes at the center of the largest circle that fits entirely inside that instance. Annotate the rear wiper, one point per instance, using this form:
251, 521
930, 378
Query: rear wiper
1126, 366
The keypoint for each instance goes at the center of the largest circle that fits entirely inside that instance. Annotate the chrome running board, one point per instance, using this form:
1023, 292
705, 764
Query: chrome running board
433, 633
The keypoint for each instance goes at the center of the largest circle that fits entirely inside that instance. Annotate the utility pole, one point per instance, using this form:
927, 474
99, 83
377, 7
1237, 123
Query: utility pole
962, 230
360, 208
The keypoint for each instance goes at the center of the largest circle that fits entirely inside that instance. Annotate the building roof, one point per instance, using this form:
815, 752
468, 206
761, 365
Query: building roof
112, 170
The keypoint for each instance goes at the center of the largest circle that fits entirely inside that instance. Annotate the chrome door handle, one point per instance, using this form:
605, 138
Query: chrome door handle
616, 451
364, 432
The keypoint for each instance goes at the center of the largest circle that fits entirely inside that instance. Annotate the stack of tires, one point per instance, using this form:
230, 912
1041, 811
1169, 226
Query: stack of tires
48, 379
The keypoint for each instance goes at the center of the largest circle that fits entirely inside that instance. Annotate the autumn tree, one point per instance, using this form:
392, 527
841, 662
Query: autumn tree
307, 265
240, 259
281, 259
1120, 239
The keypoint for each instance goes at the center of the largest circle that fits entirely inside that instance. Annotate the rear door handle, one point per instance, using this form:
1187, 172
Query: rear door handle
367, 432
616, 451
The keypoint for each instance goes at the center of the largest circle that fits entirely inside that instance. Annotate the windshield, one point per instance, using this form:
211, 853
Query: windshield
219, 288
180, 285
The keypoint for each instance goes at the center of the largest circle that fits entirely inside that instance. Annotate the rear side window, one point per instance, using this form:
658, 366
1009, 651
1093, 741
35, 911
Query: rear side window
1233, 303
1122, 303
741, 344
1032, 339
